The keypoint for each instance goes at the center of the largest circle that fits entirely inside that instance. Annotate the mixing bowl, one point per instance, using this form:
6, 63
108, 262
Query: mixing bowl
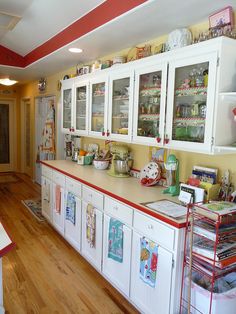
121, 166
101, 164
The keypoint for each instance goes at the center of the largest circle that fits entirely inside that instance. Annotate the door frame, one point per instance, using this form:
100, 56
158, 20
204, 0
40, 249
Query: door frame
12, 135
24, 169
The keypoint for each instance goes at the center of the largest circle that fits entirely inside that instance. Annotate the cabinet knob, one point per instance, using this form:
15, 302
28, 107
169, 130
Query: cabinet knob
166, 140
103, 133
108, 133
158, 139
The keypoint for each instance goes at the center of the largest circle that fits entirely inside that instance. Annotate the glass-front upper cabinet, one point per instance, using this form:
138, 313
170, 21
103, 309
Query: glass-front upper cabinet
98, 106
120, 105
191, 91
149, 104
81, 108
67, 94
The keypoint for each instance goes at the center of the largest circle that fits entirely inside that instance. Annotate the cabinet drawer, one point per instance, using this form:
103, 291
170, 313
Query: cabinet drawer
58, 178
154, 230
73, 186
47, 172
93, 197
119, 210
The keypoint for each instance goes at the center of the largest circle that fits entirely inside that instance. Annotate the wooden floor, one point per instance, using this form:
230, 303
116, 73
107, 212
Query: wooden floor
43, 274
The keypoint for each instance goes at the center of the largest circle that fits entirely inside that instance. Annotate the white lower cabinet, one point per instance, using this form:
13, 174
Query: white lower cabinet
72, 229
58, 213
117, 272
151, 300
46, 198
92, 252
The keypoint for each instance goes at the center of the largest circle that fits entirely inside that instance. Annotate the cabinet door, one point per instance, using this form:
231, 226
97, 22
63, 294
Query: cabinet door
149, 104
92, 253
46, 198
151, 300
120, 111
190, 103
118, 273
67, 96
81, 108
58, 216
98, 106
73, 228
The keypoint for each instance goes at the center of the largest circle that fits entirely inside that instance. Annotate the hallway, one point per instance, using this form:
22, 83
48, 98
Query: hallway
44, 274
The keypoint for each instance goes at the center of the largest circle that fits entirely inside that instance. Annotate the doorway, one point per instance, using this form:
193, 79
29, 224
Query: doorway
7, 135
26, 154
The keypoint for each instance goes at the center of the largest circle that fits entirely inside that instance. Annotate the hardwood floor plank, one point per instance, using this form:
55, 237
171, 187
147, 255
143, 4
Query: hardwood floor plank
44, 274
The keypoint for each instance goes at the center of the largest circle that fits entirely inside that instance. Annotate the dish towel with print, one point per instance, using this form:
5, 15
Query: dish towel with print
58, 199
115, 240
47, 191
70, 207
148, 261
91, 225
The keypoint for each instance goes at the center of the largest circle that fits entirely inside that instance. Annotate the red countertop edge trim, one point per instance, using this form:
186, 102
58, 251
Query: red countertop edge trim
131, 204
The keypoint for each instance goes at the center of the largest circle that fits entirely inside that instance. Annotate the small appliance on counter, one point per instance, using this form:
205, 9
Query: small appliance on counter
172, 175
121, 163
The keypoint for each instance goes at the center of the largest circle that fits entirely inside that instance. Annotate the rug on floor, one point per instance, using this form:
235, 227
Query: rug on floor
8, 178
34, 206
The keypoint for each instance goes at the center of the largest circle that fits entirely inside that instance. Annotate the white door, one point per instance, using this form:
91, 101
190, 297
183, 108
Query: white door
92, 252
26, 155
73, 228
7, 136
46, 192
81, 108
120, 110
190, 102
151, 300
58, 216
149, 104
118, 273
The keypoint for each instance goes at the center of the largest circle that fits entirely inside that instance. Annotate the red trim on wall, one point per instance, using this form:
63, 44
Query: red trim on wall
99, 16
11, 58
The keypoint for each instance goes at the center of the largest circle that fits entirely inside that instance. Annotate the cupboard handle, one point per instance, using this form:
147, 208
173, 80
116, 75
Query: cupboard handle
158, 139
150, 226
103, 133
108, 133
166, 140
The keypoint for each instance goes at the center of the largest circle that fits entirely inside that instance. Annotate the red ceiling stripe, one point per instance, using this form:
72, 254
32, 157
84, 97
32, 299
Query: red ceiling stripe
102, 14
9, 57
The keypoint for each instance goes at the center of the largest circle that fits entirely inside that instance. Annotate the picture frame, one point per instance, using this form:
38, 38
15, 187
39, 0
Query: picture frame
222, 18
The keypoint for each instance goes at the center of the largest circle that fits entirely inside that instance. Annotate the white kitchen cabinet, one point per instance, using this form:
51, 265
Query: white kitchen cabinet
81, 107
58, 216
93, 253
120, 109
151, 300
150, 102
118, 272
98, 105
72, 230
67, 100
46, 198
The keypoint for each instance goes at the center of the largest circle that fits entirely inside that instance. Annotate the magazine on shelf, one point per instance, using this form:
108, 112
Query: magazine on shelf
205, 248
222, 264
214, 210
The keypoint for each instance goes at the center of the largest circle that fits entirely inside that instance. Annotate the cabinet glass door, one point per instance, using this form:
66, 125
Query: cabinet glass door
98, 108
67, 108
81, 109
191, 91
190, 103
120, 106
149, 108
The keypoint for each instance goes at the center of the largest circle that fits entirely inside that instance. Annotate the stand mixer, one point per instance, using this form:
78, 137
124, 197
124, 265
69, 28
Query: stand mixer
120, 162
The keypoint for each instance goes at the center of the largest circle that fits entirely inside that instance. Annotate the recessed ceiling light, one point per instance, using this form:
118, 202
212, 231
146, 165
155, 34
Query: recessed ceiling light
75, 50
7, 81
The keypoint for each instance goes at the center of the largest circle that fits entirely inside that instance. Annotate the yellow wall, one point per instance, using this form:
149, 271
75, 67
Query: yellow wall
141, 153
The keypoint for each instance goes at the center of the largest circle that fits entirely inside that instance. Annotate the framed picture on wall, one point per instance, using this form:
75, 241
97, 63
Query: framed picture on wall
221, 18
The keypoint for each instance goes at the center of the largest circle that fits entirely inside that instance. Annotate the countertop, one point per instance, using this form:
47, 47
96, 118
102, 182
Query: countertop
127, 190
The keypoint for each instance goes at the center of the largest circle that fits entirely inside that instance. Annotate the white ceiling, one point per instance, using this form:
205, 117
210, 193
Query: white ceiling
43, 19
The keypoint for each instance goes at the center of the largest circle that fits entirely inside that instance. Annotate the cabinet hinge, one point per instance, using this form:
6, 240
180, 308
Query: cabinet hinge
173, 263
218, 61
212, 140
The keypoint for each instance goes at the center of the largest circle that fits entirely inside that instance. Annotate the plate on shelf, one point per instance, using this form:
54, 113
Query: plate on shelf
150, 174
